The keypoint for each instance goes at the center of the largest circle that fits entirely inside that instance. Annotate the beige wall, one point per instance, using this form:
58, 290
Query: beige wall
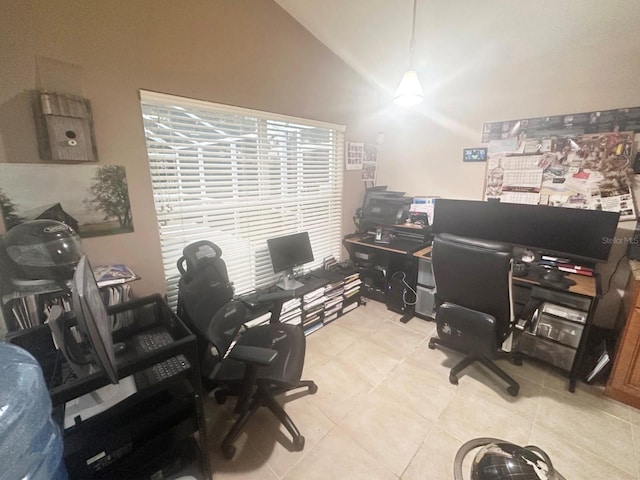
248, 53
475, 68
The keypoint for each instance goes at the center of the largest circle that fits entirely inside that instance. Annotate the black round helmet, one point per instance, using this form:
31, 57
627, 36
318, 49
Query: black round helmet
43, 249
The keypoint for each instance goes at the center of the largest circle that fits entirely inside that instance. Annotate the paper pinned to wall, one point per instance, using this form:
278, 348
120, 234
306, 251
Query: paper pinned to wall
590, 171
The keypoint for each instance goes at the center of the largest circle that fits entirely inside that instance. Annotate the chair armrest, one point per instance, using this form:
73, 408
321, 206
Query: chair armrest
254, 355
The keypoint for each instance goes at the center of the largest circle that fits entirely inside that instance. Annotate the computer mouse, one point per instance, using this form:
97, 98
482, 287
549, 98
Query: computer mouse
119, 347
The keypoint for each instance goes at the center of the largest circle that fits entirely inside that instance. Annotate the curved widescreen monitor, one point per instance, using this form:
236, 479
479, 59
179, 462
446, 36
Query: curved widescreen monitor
578, 234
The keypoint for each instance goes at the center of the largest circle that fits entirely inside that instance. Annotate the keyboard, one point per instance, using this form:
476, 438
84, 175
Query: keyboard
167, 369
152, 340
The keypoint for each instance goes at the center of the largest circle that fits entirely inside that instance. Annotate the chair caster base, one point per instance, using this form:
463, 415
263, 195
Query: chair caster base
432, 345
228, 451
513, 390
453, 380
298, 443
220, 397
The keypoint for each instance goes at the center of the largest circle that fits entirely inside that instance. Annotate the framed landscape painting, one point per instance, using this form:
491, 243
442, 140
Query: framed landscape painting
92, 199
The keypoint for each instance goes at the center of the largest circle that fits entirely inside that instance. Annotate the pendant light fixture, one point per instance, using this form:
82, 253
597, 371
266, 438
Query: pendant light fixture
409, 91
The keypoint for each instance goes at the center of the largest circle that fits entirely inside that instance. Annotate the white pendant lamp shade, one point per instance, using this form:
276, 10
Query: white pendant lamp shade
409, 91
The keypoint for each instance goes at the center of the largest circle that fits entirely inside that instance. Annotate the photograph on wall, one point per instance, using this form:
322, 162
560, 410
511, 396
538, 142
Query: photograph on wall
91, 199
369, 162
589, 171
355, 156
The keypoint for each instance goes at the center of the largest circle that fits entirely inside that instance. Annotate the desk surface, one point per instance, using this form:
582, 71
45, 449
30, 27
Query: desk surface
584, 285
397, 246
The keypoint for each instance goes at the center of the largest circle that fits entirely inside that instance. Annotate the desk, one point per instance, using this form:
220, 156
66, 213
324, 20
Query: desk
385, 266
324, 296
560, 311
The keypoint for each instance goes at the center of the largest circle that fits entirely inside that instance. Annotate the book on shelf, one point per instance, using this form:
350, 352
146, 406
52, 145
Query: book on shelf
260, 320
349, 307
312, 327
330, 317
113, 274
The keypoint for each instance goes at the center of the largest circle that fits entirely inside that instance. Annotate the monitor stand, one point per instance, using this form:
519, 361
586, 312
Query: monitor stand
289, 282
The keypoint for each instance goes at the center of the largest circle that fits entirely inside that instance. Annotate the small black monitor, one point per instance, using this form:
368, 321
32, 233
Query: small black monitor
287, 252
93, 321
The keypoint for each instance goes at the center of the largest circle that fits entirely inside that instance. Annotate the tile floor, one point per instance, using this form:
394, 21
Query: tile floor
385, 410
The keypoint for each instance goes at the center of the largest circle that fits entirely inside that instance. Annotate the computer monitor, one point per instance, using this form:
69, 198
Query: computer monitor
581, 235
287, 252
91, 346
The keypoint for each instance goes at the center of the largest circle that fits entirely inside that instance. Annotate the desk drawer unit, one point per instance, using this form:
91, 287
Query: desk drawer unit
425, 301
562, 331
555, 353
425, 273
561, 298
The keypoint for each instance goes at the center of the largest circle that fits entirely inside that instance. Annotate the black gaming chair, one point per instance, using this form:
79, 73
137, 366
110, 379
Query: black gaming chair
474, 307
254, 364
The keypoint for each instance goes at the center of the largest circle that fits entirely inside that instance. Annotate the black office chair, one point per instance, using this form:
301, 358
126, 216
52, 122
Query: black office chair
474, 309
253, 364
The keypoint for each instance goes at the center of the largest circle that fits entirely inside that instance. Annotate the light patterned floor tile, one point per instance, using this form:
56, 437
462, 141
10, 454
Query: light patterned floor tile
385, 410
389, 430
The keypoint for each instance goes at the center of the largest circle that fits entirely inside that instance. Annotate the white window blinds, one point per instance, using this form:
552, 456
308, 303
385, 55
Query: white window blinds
237, 177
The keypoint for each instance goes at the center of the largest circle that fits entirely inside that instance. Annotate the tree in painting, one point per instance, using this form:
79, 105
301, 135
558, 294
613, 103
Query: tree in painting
9, 212
110, 195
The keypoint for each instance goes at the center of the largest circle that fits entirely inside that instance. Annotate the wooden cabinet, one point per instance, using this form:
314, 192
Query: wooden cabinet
624, 381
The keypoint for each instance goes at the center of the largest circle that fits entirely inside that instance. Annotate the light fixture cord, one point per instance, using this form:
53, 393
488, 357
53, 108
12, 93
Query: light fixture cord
412, 42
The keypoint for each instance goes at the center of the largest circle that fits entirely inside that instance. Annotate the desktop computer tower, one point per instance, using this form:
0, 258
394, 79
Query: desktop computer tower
399, 298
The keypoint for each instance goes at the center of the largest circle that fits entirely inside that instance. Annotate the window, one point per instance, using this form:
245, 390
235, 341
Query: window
237, 177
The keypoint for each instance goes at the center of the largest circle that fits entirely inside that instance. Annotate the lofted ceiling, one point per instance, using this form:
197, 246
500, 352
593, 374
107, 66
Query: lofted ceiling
467, 37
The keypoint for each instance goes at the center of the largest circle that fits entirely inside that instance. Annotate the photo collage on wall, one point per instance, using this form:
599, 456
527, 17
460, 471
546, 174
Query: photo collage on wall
578, 161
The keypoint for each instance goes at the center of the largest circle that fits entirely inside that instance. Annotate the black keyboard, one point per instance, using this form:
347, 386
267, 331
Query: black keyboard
152, 340
167, 369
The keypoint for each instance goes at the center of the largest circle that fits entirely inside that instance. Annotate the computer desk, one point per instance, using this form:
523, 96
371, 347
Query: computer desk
581, 297
380, 263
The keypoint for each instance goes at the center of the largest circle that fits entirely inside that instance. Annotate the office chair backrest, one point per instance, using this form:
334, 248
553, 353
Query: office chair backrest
474, 274
203, 288
226, 325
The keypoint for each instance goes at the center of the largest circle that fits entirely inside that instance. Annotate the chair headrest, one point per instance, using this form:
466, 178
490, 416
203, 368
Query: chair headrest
197, 255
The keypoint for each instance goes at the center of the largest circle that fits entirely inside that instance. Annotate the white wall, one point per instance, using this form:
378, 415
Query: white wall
494, 61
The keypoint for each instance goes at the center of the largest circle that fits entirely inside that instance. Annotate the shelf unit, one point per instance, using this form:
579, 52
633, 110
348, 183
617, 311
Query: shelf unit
324, 296
149, 433
25, 307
